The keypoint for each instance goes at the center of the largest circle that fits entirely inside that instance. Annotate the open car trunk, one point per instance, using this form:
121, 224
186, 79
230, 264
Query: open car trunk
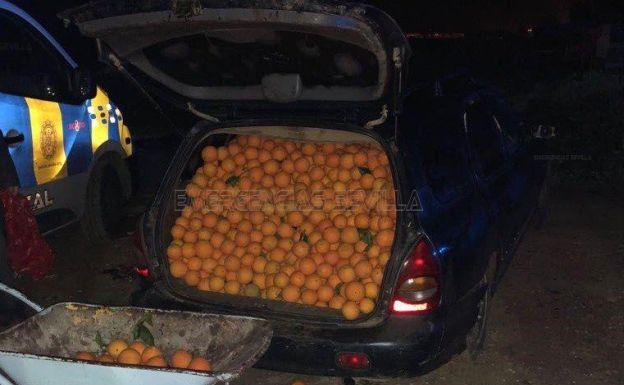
174, 197
288, 61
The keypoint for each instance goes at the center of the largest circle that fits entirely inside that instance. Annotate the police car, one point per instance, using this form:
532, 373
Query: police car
67, 139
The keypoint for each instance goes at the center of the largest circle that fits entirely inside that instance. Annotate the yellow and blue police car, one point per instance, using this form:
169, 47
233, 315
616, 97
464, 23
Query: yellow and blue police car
67, 139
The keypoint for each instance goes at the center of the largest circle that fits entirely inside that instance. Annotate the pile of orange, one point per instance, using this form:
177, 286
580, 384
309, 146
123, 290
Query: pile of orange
310, 223
137, 353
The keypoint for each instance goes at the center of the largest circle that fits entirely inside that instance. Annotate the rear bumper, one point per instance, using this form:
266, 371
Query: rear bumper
399, 347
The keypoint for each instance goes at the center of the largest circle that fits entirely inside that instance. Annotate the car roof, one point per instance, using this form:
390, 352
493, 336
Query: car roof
14, 9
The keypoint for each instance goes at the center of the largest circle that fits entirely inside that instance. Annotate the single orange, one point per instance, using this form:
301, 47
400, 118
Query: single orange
85, 356
354, 291
217, 240
219, 270
297, 279
337, 302
372, 290
307, 266
188, 250
363, 269
288, 166
331, 235
277, 255
313, 282
350, 310
302, 165
174, 252
377, 275
232, 263
181, 359
209, 154
324, 270
301, 249
271, 267
345, 250
332, 258
210, 220
268, 228
350, 235
223, 226
384, 238
340, 221
245, 275
203, 249
366, 306
259, 264
232, 287
177, 232
194, 263
200, 364
309, 297
281, 280
346, 274
157, 362
178, 269
150, 352
290, 293
259, 280
204, 284
271, 167
192, 278
129, 356
217, 283
282, 179
107, 358
385, 223
325, 293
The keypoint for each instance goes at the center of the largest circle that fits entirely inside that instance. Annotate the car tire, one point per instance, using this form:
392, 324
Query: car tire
475, 340
108, 191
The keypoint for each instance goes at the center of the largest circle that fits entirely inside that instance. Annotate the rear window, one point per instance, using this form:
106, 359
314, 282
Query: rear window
241, 58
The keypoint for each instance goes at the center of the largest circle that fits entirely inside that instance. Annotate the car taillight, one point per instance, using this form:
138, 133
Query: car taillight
418, 288
140, 252
353, 361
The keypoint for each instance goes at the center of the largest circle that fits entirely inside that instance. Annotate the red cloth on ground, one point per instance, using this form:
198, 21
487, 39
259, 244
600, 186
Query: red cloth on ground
28, 252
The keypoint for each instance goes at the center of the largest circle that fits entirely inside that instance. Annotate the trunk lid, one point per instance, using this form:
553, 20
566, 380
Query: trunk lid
226, 58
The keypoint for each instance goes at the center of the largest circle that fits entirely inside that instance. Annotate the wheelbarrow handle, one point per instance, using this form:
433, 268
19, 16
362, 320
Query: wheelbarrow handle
19, 295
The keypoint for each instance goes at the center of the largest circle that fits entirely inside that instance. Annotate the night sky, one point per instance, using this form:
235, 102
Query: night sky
455, 15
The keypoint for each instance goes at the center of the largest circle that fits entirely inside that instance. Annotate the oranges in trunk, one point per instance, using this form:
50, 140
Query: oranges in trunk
303, 222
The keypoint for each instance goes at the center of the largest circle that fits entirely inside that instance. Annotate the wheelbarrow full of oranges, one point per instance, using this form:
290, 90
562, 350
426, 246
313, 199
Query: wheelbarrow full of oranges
75, 343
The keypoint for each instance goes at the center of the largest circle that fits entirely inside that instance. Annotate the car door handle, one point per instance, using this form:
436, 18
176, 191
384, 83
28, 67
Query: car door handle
14, 138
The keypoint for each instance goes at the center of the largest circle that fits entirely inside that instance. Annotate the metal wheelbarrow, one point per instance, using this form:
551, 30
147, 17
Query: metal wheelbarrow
40, 350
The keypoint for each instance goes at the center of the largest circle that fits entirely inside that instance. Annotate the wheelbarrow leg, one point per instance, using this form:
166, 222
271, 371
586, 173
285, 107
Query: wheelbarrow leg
5, 379
20, 296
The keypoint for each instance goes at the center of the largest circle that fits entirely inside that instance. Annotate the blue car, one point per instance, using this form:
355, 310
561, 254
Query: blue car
465, 178
67, 139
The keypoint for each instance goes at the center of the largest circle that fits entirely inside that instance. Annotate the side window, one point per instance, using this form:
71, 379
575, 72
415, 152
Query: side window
445, 160
509, 122
29, 66
484, 134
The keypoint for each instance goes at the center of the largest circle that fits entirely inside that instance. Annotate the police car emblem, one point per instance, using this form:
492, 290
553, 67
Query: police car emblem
48, 139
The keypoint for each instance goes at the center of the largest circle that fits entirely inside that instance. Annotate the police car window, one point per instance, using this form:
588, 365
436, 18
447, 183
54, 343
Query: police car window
485, 140
28, 65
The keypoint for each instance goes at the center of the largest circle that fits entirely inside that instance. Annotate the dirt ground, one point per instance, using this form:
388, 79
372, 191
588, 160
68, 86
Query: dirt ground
557, 319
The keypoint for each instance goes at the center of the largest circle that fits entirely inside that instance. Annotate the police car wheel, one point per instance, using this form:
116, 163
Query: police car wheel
108, 191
